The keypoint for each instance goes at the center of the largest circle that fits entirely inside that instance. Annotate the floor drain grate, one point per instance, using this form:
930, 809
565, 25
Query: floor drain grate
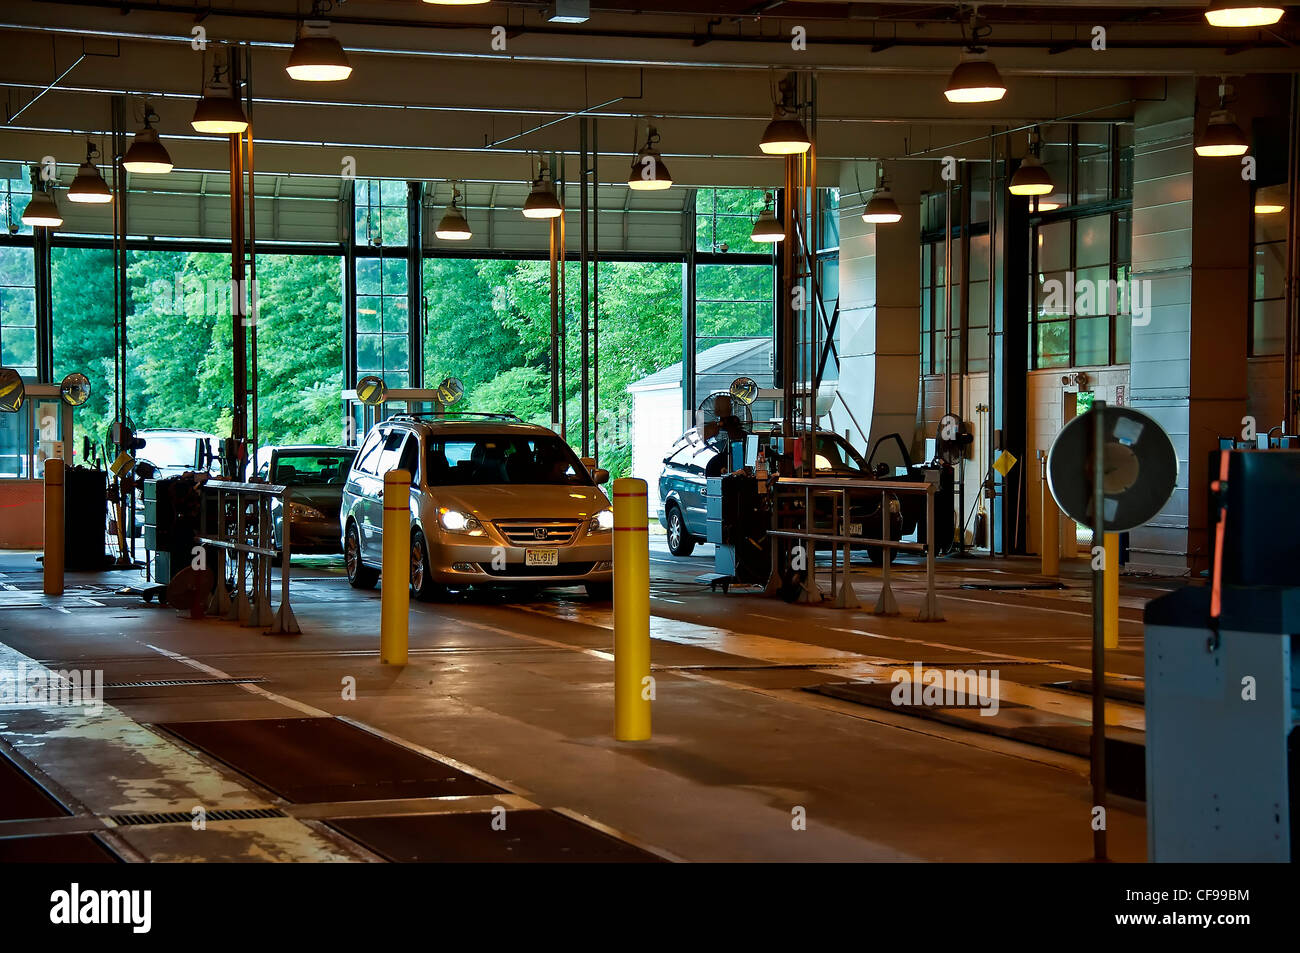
170, 682
185, 817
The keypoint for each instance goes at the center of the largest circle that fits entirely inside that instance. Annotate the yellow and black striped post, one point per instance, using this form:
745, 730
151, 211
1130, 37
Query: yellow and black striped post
395, 589
52, 565
632, 686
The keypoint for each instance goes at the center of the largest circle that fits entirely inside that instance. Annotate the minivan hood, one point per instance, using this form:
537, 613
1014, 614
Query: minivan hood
496, 502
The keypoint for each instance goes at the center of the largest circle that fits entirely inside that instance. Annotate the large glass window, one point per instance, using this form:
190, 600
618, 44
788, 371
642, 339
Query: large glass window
82, 290
1268, 289
18, 310
725, 217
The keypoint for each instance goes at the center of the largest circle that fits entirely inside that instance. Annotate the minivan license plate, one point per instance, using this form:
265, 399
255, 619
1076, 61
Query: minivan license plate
541, 557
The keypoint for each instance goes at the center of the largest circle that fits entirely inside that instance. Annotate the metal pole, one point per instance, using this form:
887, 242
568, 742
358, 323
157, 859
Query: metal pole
595, 289
584, 328
1098, 633
633, 683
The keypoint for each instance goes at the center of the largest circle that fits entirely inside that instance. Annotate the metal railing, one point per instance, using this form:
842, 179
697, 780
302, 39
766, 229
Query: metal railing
246, 531
840, 491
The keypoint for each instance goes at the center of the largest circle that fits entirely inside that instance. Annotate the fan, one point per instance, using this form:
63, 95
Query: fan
720, 404
951, 439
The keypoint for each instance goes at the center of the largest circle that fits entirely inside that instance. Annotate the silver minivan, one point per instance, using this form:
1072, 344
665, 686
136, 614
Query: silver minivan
494, 501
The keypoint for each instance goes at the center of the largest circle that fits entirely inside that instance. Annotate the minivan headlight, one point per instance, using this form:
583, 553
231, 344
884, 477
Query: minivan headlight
602, 522
455, 521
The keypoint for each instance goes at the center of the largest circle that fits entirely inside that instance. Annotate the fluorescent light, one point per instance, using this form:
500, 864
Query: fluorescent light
541, 202
1222, 137
1030, 178
317, 56
89, 187
454, 227
1238, 13
146, 155
649, 174
975, 80
42, 211
767, 229
882, 209
218, 111
569, 11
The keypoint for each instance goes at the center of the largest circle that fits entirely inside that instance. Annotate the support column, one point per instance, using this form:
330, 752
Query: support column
1191, 251
880, 307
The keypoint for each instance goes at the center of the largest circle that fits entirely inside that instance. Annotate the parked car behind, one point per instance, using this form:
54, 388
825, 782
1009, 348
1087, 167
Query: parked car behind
683, 485
315, 475
175, 451
493, 501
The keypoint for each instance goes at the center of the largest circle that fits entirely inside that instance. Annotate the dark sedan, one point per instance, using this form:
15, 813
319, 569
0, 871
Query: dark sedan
315, 476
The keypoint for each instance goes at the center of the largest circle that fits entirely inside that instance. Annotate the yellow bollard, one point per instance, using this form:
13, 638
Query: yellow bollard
395, 589
1110, 592
52, 575
632, 688
1049, 545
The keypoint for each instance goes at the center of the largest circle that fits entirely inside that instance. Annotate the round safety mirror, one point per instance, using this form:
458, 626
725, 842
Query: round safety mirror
744, 389
371, 390
12, 391
75, 389
450, 391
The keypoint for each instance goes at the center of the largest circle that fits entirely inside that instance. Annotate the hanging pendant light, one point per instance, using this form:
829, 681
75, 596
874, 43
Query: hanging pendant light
882, 209
218, 111
767, 229
542, 201
146, 155
317, 55
1238, 13
785, 134
89, 187
1222, 136
1031, 178
42, 211
975, 79
649, 174
454, 227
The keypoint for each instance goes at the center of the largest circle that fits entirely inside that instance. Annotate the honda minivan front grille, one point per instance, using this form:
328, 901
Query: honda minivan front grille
534, 532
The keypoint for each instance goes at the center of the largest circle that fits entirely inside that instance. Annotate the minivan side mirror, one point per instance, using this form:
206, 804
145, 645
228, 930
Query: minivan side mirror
600, 476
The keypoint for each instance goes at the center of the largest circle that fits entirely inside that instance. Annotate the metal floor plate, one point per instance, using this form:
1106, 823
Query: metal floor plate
532, 836
311, 760
63, 849
22, 798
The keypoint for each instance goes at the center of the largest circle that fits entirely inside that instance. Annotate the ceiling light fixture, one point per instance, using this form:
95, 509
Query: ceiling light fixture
568, 11
785, 134
1046, 205
1261, 208
146, 155
1222, 136
649, 174
542, 201
218, 111
317, 55
1031, 177
1235, 13
456, 3
882, 209
89, 187
42, 211
767, 229
454, 227
975, 79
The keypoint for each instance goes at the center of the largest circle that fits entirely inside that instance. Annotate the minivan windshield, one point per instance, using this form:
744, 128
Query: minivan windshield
485, 459
170, 451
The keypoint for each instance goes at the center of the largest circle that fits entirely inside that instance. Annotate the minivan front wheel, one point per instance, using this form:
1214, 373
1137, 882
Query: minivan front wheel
422, 584
360, 576
680, 542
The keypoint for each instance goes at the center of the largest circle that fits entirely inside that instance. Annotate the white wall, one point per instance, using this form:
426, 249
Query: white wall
656, 424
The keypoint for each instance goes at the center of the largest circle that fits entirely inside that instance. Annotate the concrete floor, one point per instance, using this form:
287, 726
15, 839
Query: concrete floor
520, 693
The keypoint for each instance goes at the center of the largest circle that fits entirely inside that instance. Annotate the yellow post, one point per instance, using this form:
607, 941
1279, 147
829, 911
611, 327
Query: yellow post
1111, 591
633, 689
52, 576
395, 590
1049, 545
